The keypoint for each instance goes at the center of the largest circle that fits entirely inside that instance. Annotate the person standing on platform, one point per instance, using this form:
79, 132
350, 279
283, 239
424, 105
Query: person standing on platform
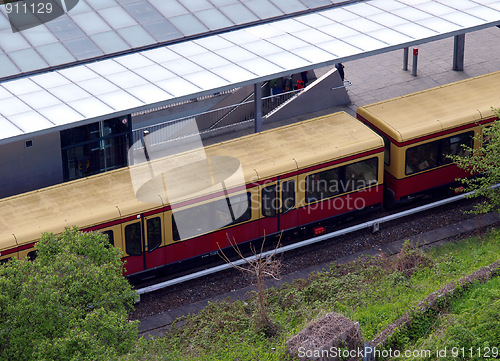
340, 68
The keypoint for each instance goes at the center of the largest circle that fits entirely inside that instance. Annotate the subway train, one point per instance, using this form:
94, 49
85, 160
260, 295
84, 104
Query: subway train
179, 210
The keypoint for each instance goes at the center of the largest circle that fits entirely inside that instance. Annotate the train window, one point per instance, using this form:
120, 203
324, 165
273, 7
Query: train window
288, 195
360, 174
433, 154
154, 233
322, 185
422, 157
269, 201
32, 255
110, 236
211, 216
133, 239
454, 146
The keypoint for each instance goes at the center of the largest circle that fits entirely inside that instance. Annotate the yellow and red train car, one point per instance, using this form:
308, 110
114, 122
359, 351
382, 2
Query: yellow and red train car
421, 130
295, 176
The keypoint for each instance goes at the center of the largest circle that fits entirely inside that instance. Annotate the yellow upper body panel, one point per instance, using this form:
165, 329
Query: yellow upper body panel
430, 111
120, 193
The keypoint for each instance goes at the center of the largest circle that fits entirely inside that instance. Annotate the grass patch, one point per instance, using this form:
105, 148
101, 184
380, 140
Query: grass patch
374, 292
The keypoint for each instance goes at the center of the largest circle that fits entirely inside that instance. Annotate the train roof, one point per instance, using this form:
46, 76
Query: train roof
430, 111
110, 196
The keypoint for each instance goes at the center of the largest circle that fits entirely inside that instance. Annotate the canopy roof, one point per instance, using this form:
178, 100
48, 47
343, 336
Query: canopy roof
103, 89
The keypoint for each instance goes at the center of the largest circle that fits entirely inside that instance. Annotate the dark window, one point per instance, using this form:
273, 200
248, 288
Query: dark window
32, 255
360, 174
4, 261
133, 239
436, 153
322, 185
94, 148
288, 195
211, 216
110, 236
340, 180
269, 201
154, 233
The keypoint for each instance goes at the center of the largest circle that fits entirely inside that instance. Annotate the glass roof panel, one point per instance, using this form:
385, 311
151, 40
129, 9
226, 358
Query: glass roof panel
120, 100
136, 36
288, 60
238, 13
188, 49
106, 67
196, 5
101, 4
110, 42
261, 67
178, 87
209, 60
339, 48
314, 20
363, 25
340, 14
78, 74
55, 54
149, 93
438, 25
411, 14
365, 42
154, 73
10, 106
483, 13
133, 61
188, 24
13, 42
90, 107
117, 17
214, 19
31, 121
287, 41
39, 35
8, 67
143, 12
262, 47
313, 36
4, 93
126, 79
290, 25
411, 29
161, 55
182, 67
28, 60
162, 30
363, 9
50, 80
236, 54
169, 8
82, 48
98, 86
60, 114
206, 80
70, 92
289, 6
388, 20
338, 30
391, 37
91, 23
233, 73
22, 86
64, 28
263, 8
214, 43
8, 129
316, 3
313, 54
39, 99
463, 19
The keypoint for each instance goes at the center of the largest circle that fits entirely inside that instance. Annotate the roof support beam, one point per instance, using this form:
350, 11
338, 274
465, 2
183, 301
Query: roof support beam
258, 107
458, 52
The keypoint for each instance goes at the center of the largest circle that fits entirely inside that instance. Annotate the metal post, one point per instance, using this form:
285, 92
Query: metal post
258, 106
458, 52
405, 59
415, 58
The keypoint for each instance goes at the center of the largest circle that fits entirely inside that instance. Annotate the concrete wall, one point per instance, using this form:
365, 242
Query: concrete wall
24, 169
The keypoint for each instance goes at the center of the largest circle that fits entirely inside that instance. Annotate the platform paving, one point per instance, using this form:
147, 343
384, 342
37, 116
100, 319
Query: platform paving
377, 78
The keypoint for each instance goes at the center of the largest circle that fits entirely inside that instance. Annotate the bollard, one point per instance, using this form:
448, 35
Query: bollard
405, 59
415, 58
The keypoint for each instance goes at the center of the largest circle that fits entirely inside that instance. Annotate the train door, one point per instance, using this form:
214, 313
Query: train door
143, 239
278, 204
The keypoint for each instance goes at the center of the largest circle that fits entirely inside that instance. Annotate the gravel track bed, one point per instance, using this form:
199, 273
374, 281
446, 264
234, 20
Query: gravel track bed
323, 252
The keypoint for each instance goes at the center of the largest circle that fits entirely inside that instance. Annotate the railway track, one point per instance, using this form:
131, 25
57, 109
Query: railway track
183, 294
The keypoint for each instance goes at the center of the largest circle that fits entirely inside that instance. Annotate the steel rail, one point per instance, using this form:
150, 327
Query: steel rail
368, 224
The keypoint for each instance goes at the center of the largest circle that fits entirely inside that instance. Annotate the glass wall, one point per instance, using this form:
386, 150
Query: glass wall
95, 148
